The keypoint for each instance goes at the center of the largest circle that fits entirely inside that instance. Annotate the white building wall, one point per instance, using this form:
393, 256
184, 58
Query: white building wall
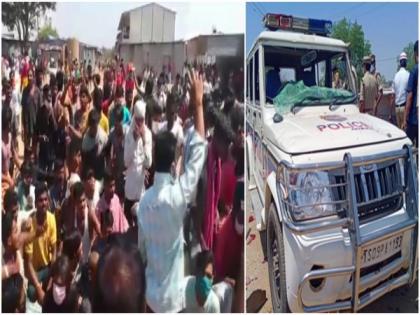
135, 26
224, 45
169, 26
157, 31
151, 23
146, 24
155, 55
88, 54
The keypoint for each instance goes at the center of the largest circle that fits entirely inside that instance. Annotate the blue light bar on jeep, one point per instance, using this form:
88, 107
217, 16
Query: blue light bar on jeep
287, 22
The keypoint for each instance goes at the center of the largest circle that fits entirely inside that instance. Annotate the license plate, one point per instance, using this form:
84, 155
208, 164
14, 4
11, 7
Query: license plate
380, 251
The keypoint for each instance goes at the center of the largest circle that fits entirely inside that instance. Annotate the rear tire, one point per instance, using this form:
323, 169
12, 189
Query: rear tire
276, 262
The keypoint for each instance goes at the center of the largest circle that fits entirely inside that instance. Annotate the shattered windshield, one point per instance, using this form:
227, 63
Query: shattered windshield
296, 77
295, 94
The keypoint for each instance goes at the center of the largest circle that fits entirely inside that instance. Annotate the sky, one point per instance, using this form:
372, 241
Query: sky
388, 26
96, 23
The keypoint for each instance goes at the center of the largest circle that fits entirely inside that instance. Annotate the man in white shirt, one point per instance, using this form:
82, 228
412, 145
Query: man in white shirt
162, 210
399, 85
137, 158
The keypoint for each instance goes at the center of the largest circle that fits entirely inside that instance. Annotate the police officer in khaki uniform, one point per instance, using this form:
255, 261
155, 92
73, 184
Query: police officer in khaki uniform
369, 89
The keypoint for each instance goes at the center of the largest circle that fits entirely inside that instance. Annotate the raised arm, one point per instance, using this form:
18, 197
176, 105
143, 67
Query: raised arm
196, 92
195, 162
63, 96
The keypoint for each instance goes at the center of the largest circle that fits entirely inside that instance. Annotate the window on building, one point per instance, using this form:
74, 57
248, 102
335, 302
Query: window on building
126, 32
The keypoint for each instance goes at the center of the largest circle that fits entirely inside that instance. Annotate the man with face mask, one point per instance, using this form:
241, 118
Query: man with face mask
41, 252
137, 158
373, 64
62, 296
163, 208
399, 85
199, 294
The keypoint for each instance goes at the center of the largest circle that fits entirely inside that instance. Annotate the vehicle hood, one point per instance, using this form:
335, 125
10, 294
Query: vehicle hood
320, 131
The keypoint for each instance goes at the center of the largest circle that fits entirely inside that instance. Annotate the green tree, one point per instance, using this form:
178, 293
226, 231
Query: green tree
352, 33
47, 32
23, 16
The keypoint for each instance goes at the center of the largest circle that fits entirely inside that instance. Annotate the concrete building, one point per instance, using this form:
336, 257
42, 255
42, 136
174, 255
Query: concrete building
52, 48
88, 53
224, 50
150, 23
146, 37
11, 46
156, 55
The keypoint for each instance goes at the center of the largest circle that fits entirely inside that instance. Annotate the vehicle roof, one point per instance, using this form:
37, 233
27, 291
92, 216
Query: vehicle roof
296, 37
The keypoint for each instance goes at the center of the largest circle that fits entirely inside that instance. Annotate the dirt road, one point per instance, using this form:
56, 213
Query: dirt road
402, 300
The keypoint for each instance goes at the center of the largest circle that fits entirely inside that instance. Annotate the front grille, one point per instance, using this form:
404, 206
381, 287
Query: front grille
378, 266
378, 187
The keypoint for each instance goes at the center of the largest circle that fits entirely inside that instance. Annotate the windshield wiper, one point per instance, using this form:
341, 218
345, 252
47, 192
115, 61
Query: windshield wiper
337, 102
307, 98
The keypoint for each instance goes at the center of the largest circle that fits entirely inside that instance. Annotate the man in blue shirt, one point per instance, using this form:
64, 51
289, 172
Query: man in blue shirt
119, 102
411, 125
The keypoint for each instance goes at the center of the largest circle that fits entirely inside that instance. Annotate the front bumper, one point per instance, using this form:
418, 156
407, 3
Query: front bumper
331, 252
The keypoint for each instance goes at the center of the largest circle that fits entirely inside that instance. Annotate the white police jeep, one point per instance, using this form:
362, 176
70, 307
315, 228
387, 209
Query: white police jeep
334, 190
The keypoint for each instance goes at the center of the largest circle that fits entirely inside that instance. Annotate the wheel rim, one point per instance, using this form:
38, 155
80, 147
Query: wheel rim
275, 262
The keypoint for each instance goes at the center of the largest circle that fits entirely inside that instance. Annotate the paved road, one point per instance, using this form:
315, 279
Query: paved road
402, 300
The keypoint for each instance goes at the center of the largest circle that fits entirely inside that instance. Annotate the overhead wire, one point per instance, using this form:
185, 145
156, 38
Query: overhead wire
350, 8
255, 6
260, 5
381, 5
387, 59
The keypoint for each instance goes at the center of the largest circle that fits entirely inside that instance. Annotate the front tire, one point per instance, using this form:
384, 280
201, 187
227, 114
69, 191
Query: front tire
248, 173
276, 262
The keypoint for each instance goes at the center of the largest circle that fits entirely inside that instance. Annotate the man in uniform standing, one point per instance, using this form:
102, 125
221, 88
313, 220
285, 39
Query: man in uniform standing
369, 88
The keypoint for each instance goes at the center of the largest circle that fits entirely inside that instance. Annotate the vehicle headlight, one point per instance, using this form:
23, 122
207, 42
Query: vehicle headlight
309, 196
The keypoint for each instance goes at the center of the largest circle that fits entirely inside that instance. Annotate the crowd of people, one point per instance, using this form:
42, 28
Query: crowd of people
122, 190
403, 106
